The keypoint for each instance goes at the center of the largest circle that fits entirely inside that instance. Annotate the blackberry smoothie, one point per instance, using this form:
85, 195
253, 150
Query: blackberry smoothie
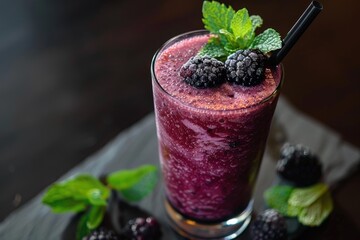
211, 141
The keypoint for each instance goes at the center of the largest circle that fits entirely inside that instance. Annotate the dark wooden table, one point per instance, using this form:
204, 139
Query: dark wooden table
73, 74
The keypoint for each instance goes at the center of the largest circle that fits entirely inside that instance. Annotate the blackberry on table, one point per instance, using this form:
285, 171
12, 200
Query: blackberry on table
299, 165
203, 72
246, 67
269, 225
142, 229
102, 234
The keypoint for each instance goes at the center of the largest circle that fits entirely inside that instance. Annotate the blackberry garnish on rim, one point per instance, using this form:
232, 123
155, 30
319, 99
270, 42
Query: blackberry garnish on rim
203, 72
246, 67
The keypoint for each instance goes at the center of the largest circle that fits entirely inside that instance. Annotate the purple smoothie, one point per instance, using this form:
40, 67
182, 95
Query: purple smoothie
211, 141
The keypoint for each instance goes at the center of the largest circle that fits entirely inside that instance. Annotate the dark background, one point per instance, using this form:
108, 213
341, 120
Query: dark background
75, 73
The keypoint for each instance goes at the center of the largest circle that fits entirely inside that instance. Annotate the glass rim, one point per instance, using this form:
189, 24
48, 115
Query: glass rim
198, 33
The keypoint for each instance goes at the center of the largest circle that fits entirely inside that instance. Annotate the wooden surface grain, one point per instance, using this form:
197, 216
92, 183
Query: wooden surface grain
73, 74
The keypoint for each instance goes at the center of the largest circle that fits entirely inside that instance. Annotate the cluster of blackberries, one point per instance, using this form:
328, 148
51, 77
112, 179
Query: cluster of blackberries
300, 167
244, 67
135, 229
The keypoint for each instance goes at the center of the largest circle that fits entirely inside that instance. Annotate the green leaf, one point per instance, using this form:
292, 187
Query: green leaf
62, 199
267, 41
230, 48
241, 25
317, 212
81, 229
125, 179
95, 216
243, 43
256, 21
214, 49
227, 35
91, 219
66, 204
95, 197
75, 194
216, 16
277, 197
230, 40
304, 197
134, 184
293, 211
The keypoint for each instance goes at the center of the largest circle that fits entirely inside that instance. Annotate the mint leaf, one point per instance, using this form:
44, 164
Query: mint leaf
65, 204
95, 216
293, 211
134, 184
317, 212
95, 197
216, 16
242, 28
277, 197
243, 43
304, 197
241, 25
267, 41
312, 205
214, 49
256, 22
75, 194
230, 38
230, 45
81, 229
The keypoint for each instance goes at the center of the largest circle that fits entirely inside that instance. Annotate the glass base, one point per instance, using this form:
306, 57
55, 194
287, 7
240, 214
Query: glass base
226, 230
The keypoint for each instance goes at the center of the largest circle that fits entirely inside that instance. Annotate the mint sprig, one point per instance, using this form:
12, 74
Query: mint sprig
234, 30
87, 195
311, 205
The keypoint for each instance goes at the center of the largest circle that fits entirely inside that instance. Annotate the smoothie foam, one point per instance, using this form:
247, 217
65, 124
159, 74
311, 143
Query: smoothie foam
211, 140
225, 97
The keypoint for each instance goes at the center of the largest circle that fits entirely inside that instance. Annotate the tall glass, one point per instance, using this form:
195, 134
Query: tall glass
209, 156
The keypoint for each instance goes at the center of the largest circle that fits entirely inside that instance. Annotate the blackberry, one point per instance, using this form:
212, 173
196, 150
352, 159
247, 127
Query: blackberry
102, 234
299, 165
203, 72
246, 67
142, 229
269, 225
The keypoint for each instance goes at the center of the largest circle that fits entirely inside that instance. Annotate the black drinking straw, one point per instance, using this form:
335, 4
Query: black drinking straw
296, 31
